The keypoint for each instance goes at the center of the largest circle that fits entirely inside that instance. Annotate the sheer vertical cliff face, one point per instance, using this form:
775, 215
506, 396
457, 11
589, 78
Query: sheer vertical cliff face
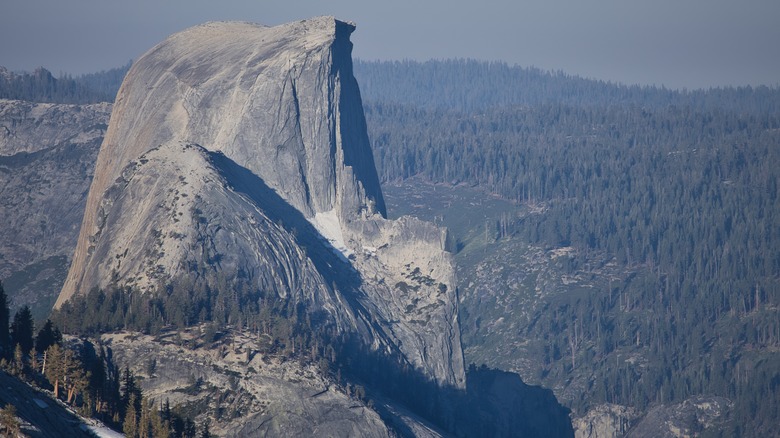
240, 152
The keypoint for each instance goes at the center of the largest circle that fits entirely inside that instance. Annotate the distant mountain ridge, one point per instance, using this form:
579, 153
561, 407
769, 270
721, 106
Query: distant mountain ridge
41, 86
467, 86
491, 85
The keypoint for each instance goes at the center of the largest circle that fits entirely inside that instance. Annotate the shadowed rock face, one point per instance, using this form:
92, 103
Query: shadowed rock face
240, 151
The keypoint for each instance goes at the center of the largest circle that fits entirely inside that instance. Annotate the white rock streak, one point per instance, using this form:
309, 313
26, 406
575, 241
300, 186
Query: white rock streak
328, 224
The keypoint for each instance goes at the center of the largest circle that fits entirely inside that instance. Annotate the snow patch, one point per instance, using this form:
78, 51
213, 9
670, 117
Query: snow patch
329, 226
102, 431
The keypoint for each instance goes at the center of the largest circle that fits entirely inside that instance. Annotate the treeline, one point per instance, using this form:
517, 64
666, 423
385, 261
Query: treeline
286, 328
464, 85
289, 330
680, 186
42, 86
82, 376
293, 332
106, 82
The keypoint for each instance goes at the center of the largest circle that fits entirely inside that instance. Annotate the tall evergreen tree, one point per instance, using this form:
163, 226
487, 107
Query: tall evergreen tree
9, 424
131, 393
130, 425
48, 335
22, 330
53, 367
18, 363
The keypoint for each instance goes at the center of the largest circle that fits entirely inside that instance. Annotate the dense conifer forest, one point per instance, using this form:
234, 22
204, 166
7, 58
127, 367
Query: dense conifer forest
681, 186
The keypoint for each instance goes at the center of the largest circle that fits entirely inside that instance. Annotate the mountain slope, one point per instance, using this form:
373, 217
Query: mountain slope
635, 262
237, 159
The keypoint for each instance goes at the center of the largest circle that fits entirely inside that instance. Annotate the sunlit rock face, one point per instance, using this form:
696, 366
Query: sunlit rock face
237, 156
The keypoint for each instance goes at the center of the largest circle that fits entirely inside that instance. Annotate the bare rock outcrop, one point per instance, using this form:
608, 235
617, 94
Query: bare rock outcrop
603, 421
240, 152
243, 392
28, 127
688, 418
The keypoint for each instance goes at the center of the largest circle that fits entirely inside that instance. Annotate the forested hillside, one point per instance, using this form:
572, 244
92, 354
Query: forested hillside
678, 189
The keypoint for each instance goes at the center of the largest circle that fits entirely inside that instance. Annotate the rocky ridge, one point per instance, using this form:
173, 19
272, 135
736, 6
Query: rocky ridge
237, 151
243, 391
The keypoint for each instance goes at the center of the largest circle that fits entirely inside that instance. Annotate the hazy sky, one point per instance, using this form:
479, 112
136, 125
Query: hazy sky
676, 43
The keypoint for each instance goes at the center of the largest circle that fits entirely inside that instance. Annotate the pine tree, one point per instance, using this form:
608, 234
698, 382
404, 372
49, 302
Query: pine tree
131, 391
22, 330
34, 360
145, 422
18, 365
9, 424
159, 426
47, 336
52, 367
112, 391
99, 380
76, 380
130, 425
63, 369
